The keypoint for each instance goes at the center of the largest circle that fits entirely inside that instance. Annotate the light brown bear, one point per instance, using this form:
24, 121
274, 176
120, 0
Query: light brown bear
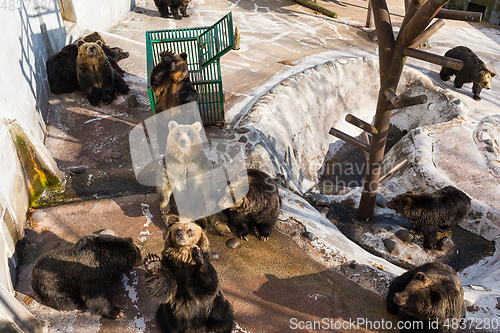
185, 283
186, 175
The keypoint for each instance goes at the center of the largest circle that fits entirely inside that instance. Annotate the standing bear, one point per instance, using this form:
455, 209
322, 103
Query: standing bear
186, 175
474, 70
186, 285
430, 296
96, 77
79, 275
170, 81
432, 212
174, 5
259, 209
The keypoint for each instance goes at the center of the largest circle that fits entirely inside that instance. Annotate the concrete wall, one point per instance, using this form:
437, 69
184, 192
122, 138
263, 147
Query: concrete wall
491, 14
32, 32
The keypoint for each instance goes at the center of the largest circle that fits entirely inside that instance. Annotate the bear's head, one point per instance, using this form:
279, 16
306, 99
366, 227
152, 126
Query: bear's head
182, 236
184, 139
177, 64
91, 54
402, 203
420, 297
485, 77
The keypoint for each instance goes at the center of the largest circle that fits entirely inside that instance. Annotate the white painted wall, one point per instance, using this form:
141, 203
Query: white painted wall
31, 32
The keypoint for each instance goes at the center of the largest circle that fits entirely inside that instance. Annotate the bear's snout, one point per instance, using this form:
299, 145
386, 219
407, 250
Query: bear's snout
183, 142
91, 50
180, 237
401, 298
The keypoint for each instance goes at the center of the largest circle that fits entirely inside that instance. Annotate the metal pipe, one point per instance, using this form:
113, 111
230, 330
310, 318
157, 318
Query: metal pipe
361, 124
349, 139
434, 58
428, 33
393, 98
399, 164
459, 15
420, 99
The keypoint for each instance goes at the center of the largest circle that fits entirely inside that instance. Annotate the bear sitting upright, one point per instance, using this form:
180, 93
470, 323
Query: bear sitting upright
70, 278
186, 173
170, 81
96, 77
474, 70
430, 295
186, 285
175, 6
258, 209
432, 211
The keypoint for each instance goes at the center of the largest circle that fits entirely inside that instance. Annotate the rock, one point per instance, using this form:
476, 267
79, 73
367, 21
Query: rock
132, 100
444, 244
473, 308
243, 139
233, 243
241, 130
320, 199
105, 232
38, 216
404, 235
119, 100
352, 264
214, 256
378, 228
116, 155
391, 246
467, 303
309, 235
380, 200
77, 169
498, 302
222, 147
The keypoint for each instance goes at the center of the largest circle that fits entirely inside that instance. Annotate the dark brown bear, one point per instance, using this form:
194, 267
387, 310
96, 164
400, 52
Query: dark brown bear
432, 211
61, 67
174, 5
474, 70
260, 207
79, 275
170, 82
186, 284
430, 296
96, 77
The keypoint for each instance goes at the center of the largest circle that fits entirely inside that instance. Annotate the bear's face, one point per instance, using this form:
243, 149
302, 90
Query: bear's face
180, 240
402, 202
485, 78
90, 50
178, 67
419, 298
182, 137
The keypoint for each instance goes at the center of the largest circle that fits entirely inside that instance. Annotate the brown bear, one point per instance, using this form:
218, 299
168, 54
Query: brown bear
174, 5
170, 81
96, 77
429, 298
79, 275
432, 212
61, 67
474, 70
186, 285
186, 176
258, 209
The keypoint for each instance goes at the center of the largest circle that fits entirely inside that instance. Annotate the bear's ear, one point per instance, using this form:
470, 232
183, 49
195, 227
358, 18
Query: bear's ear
80, 42
172, 219
183, 55
410, 192
203, 243
197, 126
492, 74
172, 124
421, 277
203, 223
99, 43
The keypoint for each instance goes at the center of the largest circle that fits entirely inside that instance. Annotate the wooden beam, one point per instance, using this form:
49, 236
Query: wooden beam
434, 58
361, 124
428, 33
420, 99
349, 139
459, 15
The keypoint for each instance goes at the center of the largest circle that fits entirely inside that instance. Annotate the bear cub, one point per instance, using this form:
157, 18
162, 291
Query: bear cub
259, 209
431, 294
170, 81
186, 174
185, 283
97, 78
474, 70
79, 275
432, 212
174, 5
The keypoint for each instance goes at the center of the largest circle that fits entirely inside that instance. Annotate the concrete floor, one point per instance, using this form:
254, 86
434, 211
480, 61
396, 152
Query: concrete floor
268, 283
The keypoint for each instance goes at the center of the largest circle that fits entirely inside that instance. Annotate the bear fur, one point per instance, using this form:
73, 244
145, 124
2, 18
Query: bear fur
258, 209
170, 82
428, 293
97, 78
186, 173
432, 212
174, 5
61, 67
79, 275
474, 70
186, 285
